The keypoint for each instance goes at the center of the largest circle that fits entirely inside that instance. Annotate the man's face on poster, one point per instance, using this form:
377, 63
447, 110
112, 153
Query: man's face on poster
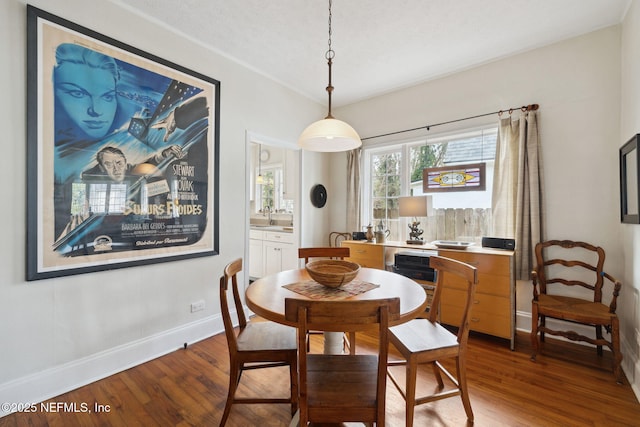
114, 165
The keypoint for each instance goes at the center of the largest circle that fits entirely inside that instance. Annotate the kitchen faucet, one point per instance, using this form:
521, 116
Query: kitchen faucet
268, 210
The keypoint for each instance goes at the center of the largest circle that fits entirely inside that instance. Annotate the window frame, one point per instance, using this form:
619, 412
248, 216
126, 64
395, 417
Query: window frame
404, 146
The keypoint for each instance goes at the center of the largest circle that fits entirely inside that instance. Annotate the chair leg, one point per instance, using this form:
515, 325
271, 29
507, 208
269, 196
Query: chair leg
234, 379
617, 355
352, 343
410, 390
462, 384
599, 337
437, 374
534, 332
293, 378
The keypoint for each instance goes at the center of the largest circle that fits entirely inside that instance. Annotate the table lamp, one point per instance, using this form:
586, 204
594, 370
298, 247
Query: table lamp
415, 207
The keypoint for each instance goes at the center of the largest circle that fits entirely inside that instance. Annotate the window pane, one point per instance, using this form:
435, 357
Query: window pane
393, 209
425, 156
386, 182
379, 208
379, 186
98, 198
117, 198
78, 198
394, 186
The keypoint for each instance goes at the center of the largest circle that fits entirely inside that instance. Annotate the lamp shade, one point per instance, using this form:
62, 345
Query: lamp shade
329, 135
417, 206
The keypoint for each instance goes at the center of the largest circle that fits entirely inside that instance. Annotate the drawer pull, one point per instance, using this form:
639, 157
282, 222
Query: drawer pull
475, 319
475, 301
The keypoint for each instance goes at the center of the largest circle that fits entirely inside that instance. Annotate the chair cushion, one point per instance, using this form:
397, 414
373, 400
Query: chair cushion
420, 335
267, 336
576, 309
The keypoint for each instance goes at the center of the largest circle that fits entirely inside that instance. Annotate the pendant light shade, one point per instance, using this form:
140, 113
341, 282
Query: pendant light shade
329, 135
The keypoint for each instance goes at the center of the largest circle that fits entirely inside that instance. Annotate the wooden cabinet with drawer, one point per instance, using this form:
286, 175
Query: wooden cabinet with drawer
366, 254
493, 309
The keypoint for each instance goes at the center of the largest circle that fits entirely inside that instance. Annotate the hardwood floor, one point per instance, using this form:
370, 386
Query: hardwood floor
567, 386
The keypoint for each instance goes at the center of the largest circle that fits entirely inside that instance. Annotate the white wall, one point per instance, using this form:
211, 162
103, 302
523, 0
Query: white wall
59, 333
577, 85
630, 234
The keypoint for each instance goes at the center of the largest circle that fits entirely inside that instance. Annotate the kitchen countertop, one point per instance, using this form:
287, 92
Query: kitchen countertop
280, 228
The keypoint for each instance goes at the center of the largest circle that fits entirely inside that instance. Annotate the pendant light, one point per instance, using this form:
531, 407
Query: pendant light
260, 178
329, 134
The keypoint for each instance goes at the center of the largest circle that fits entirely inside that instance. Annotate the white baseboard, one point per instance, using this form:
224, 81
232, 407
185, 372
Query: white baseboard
44, 385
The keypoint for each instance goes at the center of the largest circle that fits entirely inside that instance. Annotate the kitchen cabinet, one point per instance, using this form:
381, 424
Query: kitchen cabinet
256, 253
280, 253
271, 252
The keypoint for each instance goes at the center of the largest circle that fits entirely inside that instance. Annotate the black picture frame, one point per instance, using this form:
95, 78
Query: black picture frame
158, 201
630, 181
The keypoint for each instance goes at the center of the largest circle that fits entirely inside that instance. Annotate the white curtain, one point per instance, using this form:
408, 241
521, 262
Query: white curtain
517, 205
353, 189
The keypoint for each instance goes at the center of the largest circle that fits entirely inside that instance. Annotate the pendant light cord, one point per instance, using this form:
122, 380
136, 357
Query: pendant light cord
329, 55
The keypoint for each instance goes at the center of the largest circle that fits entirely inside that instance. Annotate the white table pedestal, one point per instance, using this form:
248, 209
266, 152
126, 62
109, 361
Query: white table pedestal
333, 342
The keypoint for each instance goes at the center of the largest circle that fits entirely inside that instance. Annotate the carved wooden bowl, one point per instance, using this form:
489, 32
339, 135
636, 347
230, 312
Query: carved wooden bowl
332, 273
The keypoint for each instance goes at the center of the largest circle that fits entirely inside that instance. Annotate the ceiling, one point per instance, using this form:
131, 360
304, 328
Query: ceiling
380, 45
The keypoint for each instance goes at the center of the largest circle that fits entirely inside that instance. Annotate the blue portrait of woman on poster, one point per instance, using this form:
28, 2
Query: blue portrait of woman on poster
85, 92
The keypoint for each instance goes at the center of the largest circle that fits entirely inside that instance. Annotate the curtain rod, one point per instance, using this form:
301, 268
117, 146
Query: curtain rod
530, 107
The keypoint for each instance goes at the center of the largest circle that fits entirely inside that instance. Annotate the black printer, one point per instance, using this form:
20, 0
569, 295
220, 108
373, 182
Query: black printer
415, 264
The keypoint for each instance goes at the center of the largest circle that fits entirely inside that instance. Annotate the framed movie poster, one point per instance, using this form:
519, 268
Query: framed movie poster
122, 154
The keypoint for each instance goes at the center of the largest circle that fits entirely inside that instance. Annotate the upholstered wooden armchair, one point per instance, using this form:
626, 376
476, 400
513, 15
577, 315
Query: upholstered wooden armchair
564, 264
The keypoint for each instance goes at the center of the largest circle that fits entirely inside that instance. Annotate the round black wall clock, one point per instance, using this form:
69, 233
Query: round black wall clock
318, 195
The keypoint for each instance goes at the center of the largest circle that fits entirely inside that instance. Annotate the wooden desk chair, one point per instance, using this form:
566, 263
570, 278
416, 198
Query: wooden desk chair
342, 388
258, 345
426, 341
567, 264
333, 253
336, 237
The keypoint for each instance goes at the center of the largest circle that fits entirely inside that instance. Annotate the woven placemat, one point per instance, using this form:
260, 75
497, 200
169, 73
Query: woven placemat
314, 290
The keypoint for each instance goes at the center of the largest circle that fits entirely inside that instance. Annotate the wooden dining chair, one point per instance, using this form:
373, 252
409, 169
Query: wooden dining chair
323, 252
257, 345
423, 341
336, 388
562, 265
332, 253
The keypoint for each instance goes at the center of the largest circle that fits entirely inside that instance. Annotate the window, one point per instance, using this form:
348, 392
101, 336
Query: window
394, 170
102, 198
271, 191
